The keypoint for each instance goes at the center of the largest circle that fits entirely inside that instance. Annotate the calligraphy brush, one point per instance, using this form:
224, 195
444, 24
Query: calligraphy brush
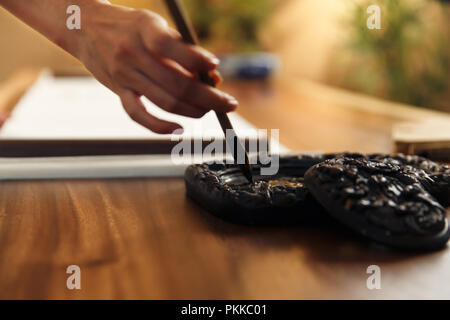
189, 36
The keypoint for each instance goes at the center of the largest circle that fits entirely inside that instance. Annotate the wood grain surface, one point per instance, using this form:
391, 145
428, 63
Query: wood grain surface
142, 238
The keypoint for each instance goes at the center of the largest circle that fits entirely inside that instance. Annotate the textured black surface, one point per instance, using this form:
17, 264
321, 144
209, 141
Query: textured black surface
270, 200
392, 200
397, 200
436, 178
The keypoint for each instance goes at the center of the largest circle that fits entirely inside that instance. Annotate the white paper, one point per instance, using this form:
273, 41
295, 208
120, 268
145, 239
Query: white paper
81, 108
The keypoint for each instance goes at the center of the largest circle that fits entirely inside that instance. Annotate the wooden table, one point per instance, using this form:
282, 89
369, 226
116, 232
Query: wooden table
142, 238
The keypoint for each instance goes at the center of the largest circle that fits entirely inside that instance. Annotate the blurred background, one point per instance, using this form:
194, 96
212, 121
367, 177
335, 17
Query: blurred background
407, 60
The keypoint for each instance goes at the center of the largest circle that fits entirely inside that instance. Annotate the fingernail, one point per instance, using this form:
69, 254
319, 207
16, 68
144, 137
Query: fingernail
177, 130
230, 98
234, 103
215, 61
211, 56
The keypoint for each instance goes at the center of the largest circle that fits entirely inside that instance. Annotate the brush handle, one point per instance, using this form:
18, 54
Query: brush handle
188, 34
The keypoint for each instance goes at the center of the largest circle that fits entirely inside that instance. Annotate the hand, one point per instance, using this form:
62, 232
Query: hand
134, 53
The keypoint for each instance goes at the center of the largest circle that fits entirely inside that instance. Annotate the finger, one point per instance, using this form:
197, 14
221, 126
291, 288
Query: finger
215, 75
166, 43
3, 118
136, 110
161, 98
182, 85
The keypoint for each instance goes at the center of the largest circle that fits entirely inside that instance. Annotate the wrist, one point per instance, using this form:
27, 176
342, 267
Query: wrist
100, 19
75, 40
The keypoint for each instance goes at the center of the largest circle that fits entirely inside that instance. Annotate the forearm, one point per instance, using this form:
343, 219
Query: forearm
49, 18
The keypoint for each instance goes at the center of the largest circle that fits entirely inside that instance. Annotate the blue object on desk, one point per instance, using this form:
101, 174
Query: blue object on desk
258, 65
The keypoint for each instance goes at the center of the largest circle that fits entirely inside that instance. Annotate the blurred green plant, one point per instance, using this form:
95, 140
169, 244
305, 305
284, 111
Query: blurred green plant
406, 59
232, 24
